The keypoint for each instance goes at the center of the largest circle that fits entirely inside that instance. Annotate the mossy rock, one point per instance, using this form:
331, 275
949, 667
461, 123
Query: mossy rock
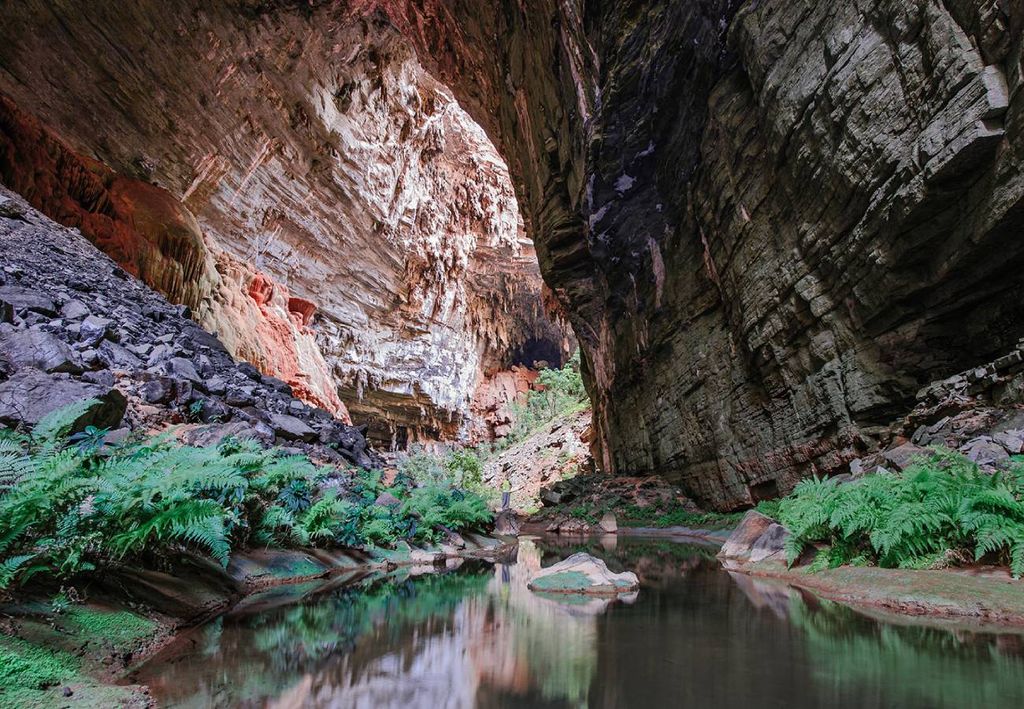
583, 574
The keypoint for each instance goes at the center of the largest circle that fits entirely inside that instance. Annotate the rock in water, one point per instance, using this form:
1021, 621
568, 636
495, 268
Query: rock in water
506, 524
756, 538
583, 573
608, 523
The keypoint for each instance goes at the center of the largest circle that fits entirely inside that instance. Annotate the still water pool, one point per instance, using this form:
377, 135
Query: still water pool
694, 636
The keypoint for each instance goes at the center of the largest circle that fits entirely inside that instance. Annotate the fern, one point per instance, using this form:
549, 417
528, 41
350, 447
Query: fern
938, 509
9, 568
66, 510
56, 425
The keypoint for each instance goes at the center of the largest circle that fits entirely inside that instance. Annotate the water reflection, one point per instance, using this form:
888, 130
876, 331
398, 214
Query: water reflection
695, 636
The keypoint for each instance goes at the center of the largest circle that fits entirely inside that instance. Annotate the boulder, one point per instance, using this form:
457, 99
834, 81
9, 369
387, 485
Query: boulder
239, 397
583, 573
984, 451
608, 523
115, 356
770, 543
1012, 441
249, 371
506, 524
157, 391
74, 310
34, 348
28, 299
902, 457
181, 368
756, 538
291, 428
214, 434
31, 394
93, 329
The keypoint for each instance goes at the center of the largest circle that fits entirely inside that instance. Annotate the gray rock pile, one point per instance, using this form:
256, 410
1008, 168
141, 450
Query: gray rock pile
74, 325
979, 412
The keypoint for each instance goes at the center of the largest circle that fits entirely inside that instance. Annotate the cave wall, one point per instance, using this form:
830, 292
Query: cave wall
770, 222
767, 222
350, 229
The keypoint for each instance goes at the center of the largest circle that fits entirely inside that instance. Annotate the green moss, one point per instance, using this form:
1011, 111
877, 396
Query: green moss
121, 628
564, 581
26, 666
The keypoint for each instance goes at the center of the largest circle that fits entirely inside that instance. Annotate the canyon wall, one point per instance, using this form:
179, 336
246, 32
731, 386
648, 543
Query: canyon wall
770, 222
298, 180
767, 222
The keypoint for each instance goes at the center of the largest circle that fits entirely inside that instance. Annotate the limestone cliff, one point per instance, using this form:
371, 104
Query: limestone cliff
767, 222
354, 232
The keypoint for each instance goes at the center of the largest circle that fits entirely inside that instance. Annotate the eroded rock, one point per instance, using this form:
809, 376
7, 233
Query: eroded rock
583, 573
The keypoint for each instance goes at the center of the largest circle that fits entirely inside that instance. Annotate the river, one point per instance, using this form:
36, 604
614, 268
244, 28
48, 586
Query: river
475, 636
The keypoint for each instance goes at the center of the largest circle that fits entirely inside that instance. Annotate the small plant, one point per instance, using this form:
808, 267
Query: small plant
941, 509
89, 439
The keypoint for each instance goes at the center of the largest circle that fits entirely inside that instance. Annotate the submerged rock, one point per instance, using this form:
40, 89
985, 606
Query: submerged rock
583, 573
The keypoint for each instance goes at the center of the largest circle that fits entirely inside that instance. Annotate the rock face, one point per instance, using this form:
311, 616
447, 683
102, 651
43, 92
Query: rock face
767, 222
583, 573
83, 328
318, 200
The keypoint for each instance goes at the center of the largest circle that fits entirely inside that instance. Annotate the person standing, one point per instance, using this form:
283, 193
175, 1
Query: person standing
506, 493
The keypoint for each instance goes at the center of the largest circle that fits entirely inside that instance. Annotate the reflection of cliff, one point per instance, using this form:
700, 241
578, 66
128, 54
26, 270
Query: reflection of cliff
537, 644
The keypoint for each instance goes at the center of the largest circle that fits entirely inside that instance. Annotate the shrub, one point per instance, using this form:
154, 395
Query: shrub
437, 506
563, 395
938, 510
68, 508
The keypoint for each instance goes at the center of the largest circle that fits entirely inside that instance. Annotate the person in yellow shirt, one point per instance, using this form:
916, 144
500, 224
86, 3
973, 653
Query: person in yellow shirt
506, 493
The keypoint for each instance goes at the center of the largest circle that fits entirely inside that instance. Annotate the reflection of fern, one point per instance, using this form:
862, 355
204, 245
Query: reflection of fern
935, 510
850, 654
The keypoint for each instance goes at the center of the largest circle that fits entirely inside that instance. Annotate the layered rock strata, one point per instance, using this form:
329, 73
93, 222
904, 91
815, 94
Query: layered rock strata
768, 223
315, 197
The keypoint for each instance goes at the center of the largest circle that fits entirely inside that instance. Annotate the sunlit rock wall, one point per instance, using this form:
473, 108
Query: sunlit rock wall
306, 188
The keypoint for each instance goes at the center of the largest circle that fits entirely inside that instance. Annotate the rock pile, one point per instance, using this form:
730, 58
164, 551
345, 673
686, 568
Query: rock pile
979, 412
74, 325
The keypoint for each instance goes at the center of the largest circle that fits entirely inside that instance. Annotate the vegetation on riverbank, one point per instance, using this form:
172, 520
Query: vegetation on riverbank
560, 395
72, 505
940, 511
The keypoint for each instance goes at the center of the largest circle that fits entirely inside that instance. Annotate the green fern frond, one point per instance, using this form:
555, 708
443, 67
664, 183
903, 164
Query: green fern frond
56, 425
10, 567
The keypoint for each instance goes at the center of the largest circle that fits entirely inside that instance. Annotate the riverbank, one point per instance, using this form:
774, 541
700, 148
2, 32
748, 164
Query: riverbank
986, 594
64, 650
